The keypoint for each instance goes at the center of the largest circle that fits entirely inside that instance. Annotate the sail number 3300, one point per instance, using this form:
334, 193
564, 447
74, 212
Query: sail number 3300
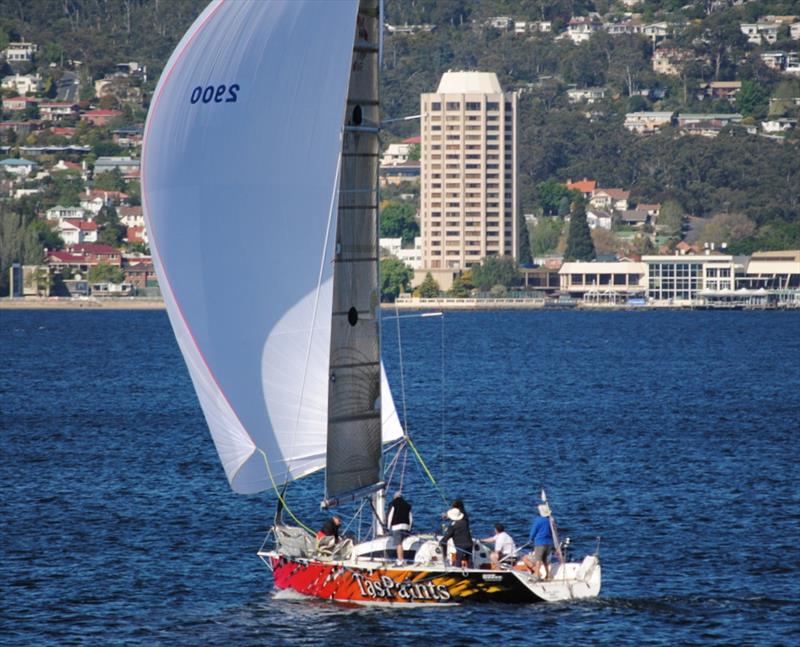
216, 93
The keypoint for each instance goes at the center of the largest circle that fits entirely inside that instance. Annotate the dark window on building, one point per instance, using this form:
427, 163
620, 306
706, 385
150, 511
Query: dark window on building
436, 105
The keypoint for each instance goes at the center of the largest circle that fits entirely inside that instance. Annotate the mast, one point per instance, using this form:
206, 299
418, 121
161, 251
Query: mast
354, 448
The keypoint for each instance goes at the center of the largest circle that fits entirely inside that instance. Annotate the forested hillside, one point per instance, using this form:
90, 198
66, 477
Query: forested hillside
735, 172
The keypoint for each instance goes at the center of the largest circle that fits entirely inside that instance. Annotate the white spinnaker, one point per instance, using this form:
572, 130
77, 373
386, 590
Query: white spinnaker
238, 169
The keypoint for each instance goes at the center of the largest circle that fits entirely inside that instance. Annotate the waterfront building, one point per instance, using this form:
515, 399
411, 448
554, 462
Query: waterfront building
603, 281
680, 279
468, 207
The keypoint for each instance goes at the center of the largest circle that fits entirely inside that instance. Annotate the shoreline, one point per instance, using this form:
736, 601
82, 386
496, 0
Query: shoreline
135, 303
108, 303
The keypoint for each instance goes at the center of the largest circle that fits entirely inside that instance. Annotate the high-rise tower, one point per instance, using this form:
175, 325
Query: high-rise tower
468, 207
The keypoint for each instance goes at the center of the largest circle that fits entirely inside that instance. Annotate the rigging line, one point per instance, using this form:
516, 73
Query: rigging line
392, 466
402, 378
425, 467
280, 496
442, 439
403, 470
322, 265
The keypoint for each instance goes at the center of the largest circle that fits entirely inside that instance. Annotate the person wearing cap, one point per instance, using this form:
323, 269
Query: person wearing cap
542, 538
460, 534
399, 521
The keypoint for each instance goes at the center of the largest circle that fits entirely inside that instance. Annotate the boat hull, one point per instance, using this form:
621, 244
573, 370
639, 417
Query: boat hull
426, 585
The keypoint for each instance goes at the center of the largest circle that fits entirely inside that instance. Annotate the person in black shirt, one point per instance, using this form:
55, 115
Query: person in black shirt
399, 520
328, 536
460, 533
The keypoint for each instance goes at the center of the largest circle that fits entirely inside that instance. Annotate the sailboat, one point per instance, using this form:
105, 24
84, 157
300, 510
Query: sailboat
260, 192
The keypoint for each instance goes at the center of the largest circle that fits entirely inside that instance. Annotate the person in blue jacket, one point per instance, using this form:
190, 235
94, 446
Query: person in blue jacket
542, 538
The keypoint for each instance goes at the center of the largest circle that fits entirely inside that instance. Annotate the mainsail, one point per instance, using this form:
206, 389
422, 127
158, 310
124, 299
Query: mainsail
241, 156
354, 415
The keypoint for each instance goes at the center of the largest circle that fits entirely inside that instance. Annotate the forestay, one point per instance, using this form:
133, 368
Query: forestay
239, 175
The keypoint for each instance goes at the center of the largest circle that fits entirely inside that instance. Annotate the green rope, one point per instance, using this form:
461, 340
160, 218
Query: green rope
425, 468
280, 496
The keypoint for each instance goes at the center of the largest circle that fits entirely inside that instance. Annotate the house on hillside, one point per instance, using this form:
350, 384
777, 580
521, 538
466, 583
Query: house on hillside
395, 154
23, 84
634, 218
57, 110
585, 186
599, 218
706, 124
137, 235
719, 90
131, 216
589, 95
647, 122
20, 52
76, 231
774, 60
19, 104
124, 164
781, 125
581, 28
19, 167
653, 210
616, 199
96, 253
65, 213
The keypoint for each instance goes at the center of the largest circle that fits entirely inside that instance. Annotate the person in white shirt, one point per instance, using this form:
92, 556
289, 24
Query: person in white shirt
503, 545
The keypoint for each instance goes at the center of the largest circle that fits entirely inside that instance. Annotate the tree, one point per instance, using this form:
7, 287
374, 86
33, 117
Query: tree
670, 218
579, 239
545, 234
395, 277
550, 194
111, 232
495, 270
462, 285
525, 257
413, 152
605, 242
41, 280
728, 228
397, 221
105, 273
752, 100
110, 180
429, 288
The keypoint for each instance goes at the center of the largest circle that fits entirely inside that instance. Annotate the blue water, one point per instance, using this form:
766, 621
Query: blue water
671, 435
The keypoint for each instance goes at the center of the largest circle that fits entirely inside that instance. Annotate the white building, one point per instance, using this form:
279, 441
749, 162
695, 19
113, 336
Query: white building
395, 154
412, 256
581, 28
598, 218
75, 232
23, 84
18, 167
647, 122
124, 164
590, 95
619, 278
20, 52
65, 213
